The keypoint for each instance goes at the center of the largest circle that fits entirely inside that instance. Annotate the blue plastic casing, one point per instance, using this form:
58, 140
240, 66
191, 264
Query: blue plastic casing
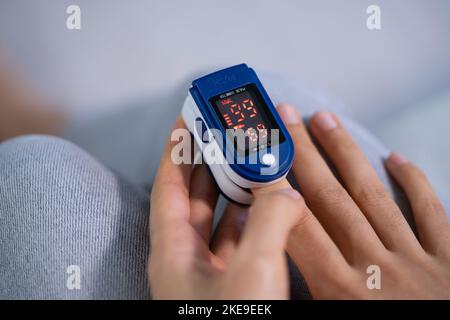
204, 88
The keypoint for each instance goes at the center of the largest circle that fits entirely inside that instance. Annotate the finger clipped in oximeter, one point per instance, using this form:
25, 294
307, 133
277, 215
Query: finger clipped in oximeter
238, 131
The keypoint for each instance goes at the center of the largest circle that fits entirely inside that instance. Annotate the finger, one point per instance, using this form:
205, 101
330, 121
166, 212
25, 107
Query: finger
327, 199
203, 197
277, 222
279, 185
169, 204
309, 245
270, 219
228, 232
230, 227
260, 259
429, 214
362, 183
317, 256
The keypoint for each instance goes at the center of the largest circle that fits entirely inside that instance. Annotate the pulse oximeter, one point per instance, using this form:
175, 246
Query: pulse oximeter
227, 101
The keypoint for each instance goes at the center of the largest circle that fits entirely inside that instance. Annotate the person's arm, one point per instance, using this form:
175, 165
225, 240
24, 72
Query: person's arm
23, 110
352, 226
181, 263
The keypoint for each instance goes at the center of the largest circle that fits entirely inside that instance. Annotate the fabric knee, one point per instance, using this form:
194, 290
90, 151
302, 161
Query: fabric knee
60, 207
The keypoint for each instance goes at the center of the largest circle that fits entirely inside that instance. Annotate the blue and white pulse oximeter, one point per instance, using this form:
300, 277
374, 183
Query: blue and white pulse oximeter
232, 100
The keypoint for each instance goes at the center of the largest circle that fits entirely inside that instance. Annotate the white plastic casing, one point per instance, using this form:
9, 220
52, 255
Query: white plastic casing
230, 183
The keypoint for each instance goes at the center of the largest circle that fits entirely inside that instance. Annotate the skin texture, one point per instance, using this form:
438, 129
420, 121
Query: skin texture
356, 224
333, 234
241, 263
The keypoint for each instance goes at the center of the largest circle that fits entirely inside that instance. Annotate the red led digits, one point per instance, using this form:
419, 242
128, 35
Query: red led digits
248, 105
228, 120
262, 130
252, 135
240, 112
237, 111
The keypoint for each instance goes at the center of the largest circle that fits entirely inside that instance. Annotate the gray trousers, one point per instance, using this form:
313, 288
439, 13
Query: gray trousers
85, 203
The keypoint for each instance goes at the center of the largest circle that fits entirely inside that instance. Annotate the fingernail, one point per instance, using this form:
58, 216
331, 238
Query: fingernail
291, 193
324, 121
288, 114
397, 159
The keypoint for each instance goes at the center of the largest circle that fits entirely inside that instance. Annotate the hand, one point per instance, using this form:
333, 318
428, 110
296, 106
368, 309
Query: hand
352, 225
181, 263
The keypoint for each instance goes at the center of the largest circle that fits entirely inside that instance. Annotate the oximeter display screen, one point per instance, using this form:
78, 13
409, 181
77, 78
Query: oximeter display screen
245, 109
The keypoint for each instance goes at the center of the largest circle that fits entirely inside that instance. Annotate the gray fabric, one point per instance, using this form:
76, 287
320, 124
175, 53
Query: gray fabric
59, 206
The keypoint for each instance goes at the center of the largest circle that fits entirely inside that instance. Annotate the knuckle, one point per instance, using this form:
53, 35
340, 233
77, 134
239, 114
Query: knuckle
341, 141
330, 195
431, 205
442, 248
375, 197
343, 287
303, 143
395, 220
437, 206
276, 198
355, 223
305, 219
279, 202
444, 232
271, 199
371, 193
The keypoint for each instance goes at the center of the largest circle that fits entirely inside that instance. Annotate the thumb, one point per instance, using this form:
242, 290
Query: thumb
258, 270
271, 218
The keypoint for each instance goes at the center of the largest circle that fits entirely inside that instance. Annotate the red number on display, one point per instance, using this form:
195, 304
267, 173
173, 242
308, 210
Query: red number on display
237, 111
262, 130
252, 135
248, 105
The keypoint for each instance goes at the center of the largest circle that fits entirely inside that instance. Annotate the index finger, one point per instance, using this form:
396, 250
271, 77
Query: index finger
282, 184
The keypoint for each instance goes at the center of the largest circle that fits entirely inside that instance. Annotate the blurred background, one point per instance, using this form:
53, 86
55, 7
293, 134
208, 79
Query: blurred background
395, 81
